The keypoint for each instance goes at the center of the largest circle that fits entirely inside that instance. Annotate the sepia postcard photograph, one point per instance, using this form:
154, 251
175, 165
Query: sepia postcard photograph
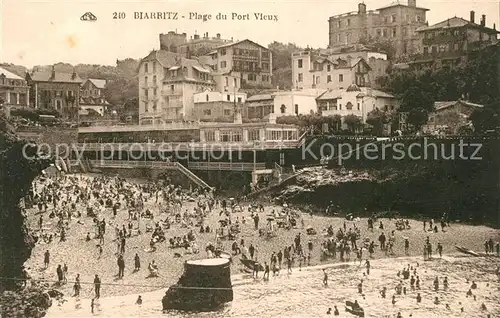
288, 158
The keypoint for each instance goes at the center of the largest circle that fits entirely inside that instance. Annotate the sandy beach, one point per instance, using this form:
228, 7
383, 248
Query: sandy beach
81, 256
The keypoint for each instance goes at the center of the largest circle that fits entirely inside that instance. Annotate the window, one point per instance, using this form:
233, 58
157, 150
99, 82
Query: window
418, 18
225, 136
223, 52
393, 18
207, 112
265, 66
358, 106
379, 32
146, 92
236, 136
223, 64
172, 87
154, 66
155, 104
283, 108
348, 37
456, 47
265, 78
338, 37
146, 67
341, 78
252, 77
300, 63
407, 18
384, 32
228, 97
328, 68
296, 109
146, 106
405, 31
58, 104
239, 100
301, 77
348, 22
227, 112
328, 78
426, 50
386, 19
339, 24
207, 98
348, 106
394, 32
317, 79
209, 134
146, 81
154, 92
265, 55
253, 135
154, 79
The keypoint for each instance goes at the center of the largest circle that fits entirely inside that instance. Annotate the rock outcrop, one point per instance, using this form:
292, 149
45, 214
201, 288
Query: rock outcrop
20, 163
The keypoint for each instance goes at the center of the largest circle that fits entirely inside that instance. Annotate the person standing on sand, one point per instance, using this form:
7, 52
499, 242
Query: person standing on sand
368, 266
325, 277
440, 250
137, 262
59, 272
97, 286
407, 246
65, 273
77, 285
46, 259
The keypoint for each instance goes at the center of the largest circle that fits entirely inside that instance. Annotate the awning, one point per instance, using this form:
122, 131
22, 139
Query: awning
200, 69
173, 68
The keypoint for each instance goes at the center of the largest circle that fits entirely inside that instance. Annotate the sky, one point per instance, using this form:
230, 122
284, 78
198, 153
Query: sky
41, 32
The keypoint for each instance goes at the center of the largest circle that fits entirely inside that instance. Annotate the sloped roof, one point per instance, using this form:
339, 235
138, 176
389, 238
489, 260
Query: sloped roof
440, 105
99, 83
10, 75
259, 97
238, 42
454, 22
46, 76
165, 58
363, 91
397, 4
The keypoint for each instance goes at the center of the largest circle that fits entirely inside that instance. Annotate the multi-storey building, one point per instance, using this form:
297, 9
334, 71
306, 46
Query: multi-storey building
249, 61
354, 100
92, 96
55, 90
396, 23
377, 61
451, 41
196, 46
167, 84
315, 70
214, 106
13, 89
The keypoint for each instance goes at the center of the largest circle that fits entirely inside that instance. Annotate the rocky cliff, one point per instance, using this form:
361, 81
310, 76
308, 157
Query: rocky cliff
19, 165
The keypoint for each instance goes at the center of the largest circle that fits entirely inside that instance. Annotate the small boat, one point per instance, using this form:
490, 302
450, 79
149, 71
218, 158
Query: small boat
250, 263
354, 309
466, 251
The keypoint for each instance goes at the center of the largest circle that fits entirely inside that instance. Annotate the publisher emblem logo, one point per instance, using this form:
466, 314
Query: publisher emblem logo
89, 16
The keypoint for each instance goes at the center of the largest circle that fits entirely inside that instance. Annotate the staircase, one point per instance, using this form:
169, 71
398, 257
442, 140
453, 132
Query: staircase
191, 176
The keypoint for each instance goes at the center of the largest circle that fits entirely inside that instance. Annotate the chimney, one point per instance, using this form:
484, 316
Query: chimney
73, 76
361, 8
412, 3
53, 74
472, 15
483, 20
218, 35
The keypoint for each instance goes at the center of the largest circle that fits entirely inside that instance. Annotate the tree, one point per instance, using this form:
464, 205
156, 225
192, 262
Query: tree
418, 117
282, 63
483, 119
415, 97
377, 118
353, 123
334, 122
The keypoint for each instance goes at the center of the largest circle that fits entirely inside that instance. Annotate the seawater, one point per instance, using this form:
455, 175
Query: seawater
302, 293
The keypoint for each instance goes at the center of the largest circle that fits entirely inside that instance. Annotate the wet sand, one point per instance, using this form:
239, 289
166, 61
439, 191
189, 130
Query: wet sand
302, 294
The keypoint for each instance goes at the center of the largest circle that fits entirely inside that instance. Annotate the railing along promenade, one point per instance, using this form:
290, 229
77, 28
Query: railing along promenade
130, 164
186, 146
